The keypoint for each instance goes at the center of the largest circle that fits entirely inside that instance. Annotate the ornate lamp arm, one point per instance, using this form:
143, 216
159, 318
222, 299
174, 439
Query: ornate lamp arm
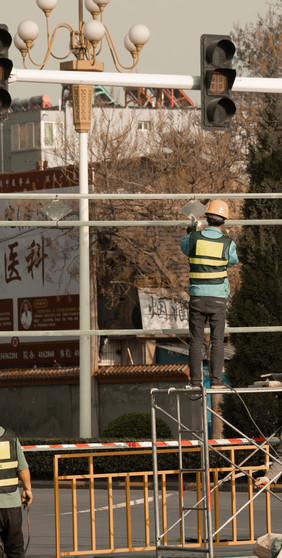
115, 57
29, 45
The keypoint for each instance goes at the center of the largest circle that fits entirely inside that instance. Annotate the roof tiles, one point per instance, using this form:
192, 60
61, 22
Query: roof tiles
70, 374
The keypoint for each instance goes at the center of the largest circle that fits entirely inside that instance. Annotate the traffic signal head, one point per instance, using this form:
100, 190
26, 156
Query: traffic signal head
217, 78
6, 66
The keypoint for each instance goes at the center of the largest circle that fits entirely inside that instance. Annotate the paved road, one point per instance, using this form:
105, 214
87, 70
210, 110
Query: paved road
42, 522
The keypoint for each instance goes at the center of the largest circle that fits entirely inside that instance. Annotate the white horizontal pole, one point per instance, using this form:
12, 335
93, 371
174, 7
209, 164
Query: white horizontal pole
122, 332
105, 78
173, 223
126, 196
258, 85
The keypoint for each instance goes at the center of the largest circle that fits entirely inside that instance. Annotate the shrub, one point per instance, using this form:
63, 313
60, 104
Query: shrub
135, 426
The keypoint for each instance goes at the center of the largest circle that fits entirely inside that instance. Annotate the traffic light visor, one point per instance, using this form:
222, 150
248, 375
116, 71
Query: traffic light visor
221, 110
5, 40
5, 100
6, 66
220, 52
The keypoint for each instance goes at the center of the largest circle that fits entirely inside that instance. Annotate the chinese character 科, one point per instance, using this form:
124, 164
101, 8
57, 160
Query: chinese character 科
11, 263
35, 257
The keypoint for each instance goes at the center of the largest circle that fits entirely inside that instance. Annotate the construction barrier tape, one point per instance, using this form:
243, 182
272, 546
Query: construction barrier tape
136, 445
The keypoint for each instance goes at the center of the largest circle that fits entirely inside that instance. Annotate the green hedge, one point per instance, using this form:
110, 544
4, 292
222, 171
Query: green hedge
136, 426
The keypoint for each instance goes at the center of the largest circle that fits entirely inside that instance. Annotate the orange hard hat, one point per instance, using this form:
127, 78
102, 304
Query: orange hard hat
218, 207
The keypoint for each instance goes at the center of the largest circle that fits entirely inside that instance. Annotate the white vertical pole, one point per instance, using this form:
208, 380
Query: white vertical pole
84, 295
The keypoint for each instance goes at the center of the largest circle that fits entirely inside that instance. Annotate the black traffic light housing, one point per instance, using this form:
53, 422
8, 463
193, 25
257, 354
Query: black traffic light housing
6, 66
217, 78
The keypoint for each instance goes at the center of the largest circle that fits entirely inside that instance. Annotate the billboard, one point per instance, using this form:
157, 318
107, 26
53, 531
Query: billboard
39, 273
160, 311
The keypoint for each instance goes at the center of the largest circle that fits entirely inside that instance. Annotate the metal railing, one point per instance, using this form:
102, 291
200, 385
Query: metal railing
103, 533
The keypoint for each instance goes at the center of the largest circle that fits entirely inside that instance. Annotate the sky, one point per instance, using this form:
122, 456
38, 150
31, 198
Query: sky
175, 28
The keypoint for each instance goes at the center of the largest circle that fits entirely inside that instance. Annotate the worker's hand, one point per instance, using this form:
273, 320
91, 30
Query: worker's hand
261, 481
27, 497
192, 228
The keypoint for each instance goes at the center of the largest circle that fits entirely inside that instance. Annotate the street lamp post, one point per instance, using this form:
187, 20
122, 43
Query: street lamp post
85, 45
82, 107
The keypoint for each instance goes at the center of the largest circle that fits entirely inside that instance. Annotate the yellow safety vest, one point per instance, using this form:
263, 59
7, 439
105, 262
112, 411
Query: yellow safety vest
8, 463
208, 258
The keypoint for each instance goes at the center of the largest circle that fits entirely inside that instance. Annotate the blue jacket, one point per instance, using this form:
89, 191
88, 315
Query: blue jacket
221, 290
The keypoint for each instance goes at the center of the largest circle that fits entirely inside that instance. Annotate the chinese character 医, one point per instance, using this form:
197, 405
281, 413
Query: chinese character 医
11, 263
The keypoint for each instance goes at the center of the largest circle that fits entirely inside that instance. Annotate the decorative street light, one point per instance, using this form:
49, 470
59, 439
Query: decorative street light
85, 45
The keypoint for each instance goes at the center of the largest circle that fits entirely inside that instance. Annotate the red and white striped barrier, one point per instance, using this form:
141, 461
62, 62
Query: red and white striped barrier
135, 445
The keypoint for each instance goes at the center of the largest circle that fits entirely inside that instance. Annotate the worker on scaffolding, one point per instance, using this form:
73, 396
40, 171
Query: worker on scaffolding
210, 253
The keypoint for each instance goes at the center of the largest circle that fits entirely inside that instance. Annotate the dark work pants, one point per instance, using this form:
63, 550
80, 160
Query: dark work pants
11, 532
203, 309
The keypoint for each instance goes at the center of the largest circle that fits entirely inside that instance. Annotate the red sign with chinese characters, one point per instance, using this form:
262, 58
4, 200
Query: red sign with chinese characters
39, 273
26, 181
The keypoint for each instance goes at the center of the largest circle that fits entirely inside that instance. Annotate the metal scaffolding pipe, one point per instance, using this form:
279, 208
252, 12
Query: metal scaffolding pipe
125, 332
126, 196
156, 223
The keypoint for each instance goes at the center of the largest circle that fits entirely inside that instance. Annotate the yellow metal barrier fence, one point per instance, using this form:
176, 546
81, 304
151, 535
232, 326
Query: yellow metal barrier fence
104, 533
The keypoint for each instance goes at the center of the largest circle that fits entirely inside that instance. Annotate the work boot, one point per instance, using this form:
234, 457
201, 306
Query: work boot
193, 386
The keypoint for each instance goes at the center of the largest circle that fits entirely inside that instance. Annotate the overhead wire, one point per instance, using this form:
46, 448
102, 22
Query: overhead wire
253, 420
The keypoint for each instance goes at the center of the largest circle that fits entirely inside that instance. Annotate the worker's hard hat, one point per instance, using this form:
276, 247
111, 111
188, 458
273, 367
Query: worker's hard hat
219, 208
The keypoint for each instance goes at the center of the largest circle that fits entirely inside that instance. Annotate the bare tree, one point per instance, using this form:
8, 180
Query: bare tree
175, 156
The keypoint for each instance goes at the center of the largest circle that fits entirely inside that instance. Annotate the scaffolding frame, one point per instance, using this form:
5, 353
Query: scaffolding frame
201, 435
85, 332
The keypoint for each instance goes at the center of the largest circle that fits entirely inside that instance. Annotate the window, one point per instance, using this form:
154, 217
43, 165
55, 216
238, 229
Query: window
144, 125
25, 136
15, 137
48, 134
111, 353
23, 142
36, 127
53, 134
29, 135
